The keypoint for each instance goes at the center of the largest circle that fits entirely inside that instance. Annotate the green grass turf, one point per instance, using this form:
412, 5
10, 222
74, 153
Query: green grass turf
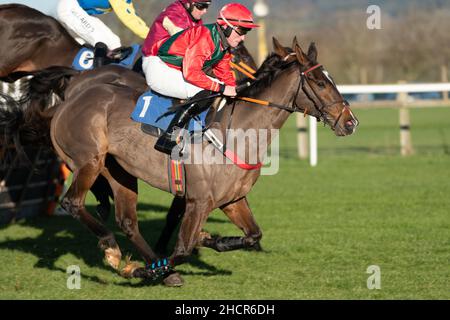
323, 227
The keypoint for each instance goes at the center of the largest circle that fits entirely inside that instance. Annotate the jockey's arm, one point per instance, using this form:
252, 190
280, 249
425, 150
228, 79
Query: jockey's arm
223, 72
175, 20
124, 10
193, 62
170, 26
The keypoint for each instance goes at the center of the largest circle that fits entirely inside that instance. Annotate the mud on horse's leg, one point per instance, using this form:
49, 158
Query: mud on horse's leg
240, 214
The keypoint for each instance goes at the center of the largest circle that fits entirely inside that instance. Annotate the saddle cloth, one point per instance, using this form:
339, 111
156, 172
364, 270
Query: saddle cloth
84, 60
151, 107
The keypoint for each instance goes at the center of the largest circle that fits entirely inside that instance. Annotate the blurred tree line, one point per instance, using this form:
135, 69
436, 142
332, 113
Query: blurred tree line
413, 43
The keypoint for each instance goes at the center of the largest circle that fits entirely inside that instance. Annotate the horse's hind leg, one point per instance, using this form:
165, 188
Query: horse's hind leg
240, 214
102, 192
74, 200
124, 187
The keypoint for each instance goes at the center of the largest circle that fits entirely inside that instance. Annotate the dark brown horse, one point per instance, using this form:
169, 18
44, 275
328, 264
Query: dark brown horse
111, 145
32, 41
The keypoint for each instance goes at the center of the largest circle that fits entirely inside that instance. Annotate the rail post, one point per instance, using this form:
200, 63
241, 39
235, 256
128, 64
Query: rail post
406, 147
302, 136
444, 78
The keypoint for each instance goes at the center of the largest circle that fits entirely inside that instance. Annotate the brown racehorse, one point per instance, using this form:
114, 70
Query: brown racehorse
295, 82
32, 41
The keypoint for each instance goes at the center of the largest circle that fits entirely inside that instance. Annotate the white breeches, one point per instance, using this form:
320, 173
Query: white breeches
166, 80
89, 28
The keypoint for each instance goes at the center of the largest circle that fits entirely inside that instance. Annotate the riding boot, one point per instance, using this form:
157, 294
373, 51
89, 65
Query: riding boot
119, 54
166, 142
100, 52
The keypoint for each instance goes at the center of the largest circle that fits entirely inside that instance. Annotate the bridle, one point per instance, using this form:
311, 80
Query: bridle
304, 80
310, 93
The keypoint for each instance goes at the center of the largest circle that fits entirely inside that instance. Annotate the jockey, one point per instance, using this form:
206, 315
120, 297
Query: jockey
77, 16
175, 65
180, 15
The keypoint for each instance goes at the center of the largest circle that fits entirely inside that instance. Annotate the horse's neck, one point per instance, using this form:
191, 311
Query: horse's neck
255, 116
67, 44
265, 120
73, 46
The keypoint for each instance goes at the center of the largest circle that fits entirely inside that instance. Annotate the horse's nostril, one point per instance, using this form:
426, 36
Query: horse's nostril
349, 124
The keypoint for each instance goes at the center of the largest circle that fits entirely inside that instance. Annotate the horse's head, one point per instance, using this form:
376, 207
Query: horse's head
321, 97
241, 54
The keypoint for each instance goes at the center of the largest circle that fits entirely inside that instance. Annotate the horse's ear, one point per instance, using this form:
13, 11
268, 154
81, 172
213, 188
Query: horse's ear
295, 43
299, 52
312, 52
278, 48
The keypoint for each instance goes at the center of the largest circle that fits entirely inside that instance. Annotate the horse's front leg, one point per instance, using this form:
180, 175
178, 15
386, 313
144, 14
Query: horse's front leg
173, 218
189, 234
240, 214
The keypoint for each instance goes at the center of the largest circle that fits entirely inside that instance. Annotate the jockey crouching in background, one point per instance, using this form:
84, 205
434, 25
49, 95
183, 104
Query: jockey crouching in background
180, 15
77, 17
174, 66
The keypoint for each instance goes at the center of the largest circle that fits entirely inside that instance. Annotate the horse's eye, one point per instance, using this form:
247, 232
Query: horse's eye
321, 84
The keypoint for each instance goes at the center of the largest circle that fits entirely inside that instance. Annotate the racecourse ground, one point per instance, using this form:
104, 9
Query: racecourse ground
323, 227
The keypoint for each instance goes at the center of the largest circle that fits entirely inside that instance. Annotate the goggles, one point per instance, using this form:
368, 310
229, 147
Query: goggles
241, 30
201, 5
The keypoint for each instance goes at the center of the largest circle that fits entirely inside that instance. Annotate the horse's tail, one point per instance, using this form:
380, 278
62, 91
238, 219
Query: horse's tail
13, 77
27, 121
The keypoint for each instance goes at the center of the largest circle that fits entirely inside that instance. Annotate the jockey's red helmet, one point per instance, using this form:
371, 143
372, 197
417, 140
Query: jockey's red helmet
236, 15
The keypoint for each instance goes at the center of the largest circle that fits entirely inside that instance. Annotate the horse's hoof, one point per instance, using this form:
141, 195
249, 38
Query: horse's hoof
203, 236
129, 269
113, 257
257, 247
173, 280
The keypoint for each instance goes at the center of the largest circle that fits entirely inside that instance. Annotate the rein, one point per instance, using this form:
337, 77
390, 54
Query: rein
294, 107
243, 68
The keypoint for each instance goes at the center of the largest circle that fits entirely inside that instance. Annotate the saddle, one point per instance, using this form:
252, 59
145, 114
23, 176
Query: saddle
119, 54
128, 57
154, 112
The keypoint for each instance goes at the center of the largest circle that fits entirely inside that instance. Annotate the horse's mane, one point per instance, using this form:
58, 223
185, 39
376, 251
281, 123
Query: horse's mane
265, 75
10, 5
16, 6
